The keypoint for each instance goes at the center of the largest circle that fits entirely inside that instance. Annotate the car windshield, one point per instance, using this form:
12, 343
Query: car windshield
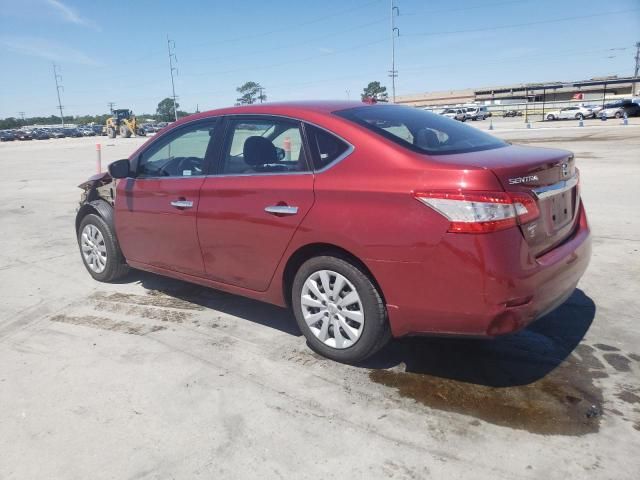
421, 131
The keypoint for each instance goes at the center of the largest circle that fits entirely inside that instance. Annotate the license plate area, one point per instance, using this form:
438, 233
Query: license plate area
561, 208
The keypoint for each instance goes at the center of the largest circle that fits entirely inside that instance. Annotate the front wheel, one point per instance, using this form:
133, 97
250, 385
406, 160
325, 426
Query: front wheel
111, 132
99, 250
339, 309
618, 114
124, 131
550, 117
579, 117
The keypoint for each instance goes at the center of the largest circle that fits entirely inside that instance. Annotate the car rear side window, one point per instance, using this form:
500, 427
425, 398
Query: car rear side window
325, 147
421, 131
260, 146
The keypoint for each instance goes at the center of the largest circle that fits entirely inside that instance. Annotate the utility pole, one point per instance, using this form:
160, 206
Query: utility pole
395, 32
171, 46
637, 69
21, 116
261, 94
111, 105
59, 87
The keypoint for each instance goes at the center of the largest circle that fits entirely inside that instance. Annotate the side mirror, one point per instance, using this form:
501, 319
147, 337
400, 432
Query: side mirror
120, 169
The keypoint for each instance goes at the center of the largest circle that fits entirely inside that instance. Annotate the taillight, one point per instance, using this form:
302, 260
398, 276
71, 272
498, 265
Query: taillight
481, 212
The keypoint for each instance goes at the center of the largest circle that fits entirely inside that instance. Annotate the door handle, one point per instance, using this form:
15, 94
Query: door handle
281, 210
182, 203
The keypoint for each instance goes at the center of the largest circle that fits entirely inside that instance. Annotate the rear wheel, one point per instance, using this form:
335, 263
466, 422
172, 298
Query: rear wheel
579, 116
99, 250
339, 309
618, 114
551, 117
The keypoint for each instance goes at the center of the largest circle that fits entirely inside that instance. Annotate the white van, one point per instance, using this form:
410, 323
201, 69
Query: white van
479, 112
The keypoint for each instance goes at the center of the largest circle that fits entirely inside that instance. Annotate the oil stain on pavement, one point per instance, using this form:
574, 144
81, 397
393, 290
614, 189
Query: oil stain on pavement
543, 379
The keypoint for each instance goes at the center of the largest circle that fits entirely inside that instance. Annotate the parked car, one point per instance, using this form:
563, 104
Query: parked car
477, 113
368, 221
87, 131
57, 133
7, 136
40, 134
618, 109
574, 112
72, 132
22, 135
99, 129
455, 113
512, 113
150, 128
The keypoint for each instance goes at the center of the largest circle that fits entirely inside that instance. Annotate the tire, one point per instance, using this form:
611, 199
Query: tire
618, 115
142, 132
579, 116
124, 131
111, 265
551, 117
111, 132
371, 334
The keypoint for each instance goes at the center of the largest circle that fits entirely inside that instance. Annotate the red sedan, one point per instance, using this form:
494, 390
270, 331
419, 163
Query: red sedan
369, 221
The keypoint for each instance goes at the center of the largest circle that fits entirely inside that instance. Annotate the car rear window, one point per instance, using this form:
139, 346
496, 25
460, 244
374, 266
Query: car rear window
421, 131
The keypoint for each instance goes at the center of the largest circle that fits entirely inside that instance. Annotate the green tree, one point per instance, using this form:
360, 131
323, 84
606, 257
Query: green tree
165, 112
375, 91
250, 93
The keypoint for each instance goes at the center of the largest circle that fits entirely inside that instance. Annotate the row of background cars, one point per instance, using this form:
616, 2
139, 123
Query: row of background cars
45, 133
477, 112
617, 109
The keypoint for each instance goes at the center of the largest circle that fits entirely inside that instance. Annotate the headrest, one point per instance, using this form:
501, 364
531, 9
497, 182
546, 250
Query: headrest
259, 151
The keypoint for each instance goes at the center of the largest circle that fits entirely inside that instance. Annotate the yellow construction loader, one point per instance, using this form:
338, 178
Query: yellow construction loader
124, 123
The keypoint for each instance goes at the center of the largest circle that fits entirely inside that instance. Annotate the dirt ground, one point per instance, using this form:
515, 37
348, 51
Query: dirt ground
152, 378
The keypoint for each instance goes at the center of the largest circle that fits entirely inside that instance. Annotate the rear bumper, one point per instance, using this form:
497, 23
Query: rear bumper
481, 285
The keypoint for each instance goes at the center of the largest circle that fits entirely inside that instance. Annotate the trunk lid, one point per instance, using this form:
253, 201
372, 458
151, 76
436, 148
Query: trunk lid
548, 175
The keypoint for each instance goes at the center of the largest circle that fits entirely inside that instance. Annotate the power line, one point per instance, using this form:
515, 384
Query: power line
526, 24
464, 9
172, 57
288, 28
59, 87
289, 45
289, 62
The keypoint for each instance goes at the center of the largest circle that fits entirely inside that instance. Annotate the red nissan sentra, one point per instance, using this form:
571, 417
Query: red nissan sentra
369, 221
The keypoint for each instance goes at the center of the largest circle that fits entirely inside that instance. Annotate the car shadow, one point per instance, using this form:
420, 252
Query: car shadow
258, 312
517, 359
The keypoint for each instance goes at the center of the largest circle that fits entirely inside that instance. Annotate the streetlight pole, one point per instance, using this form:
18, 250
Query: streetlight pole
59, 87
637, 69
395, 31
172, 56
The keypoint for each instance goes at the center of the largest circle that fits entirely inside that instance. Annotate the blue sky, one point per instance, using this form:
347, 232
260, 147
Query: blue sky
117, 52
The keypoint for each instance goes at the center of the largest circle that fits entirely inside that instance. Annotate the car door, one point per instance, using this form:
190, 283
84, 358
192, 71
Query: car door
156, 209
253, 204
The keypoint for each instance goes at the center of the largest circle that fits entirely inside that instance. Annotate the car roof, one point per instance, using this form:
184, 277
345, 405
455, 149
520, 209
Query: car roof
300, 109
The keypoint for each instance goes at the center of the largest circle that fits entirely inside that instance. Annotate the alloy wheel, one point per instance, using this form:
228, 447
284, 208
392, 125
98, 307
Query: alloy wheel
94, 250
332, 309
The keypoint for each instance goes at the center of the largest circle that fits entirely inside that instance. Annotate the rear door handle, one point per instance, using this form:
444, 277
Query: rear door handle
182, 203
281, 210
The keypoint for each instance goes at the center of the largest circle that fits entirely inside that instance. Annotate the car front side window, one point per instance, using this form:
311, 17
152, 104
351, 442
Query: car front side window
182, 155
